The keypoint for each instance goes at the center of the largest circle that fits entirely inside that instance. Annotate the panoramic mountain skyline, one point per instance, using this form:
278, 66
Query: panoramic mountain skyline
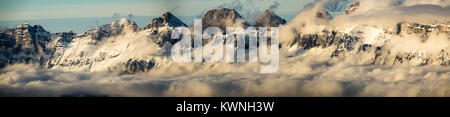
63, 9
81, 15
329, 48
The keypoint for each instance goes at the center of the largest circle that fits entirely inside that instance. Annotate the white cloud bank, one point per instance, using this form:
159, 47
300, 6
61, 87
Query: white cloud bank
310, 74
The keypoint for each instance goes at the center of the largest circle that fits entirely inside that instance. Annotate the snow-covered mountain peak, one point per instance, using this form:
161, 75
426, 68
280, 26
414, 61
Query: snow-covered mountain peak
117, 27
160, 28
167, 19
121, 21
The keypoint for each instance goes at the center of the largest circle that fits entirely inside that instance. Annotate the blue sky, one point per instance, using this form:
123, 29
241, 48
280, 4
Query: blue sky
56, 9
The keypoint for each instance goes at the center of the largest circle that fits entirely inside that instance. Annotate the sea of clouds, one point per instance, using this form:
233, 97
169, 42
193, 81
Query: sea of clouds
309, 74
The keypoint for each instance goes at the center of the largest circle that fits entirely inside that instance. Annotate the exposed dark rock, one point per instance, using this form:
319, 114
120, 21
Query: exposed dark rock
353, 7
222, 18
269, 19
167, 19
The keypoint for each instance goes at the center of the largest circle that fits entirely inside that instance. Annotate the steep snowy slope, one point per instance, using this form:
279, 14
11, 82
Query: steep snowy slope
122, 48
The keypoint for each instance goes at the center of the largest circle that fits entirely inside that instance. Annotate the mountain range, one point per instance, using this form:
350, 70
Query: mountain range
123, 46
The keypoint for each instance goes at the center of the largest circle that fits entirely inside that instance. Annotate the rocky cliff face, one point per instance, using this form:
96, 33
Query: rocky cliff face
31, 37
422, 30
109, 30
24, 44
325, 39
161, 29
372, 42
7, 38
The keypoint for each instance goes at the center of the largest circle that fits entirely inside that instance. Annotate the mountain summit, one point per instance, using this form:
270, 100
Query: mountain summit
167, 19
115, 28
269, 19
222, 18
